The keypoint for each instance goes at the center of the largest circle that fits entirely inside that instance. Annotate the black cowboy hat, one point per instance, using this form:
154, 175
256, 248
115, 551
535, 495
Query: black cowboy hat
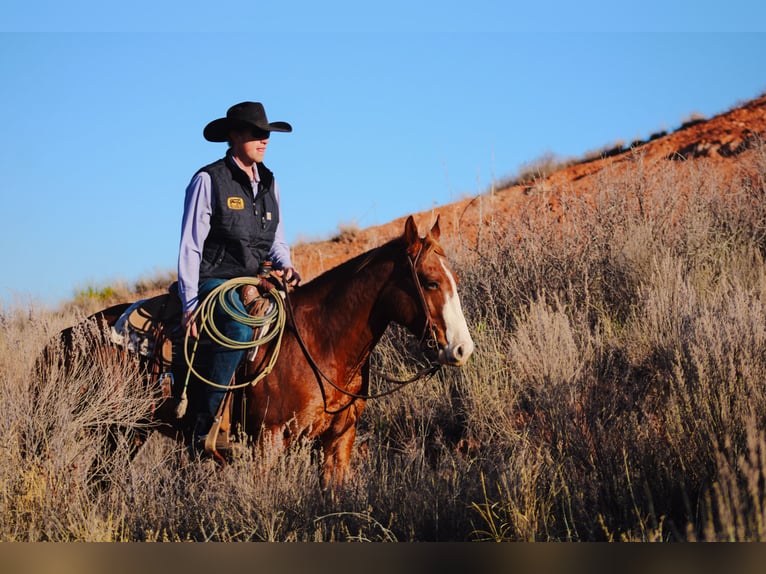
243, 114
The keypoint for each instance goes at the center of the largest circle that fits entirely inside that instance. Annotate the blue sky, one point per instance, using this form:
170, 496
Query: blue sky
397, 107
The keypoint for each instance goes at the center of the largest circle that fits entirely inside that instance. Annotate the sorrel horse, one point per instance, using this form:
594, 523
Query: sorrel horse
318, 386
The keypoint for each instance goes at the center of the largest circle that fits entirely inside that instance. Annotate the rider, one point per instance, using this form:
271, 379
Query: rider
231, 226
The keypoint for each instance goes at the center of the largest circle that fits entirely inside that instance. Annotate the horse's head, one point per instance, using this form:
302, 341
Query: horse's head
433, 310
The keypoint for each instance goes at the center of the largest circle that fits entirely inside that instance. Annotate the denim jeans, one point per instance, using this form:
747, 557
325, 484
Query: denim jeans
217, 363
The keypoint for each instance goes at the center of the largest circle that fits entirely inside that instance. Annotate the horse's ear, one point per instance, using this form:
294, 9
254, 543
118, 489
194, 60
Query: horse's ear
411, 230
435, 231
411, 235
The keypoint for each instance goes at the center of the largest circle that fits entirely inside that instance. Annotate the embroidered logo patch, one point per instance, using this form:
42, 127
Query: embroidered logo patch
236, 203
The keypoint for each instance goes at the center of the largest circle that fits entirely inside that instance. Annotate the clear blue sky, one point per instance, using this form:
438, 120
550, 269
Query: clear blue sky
396, 107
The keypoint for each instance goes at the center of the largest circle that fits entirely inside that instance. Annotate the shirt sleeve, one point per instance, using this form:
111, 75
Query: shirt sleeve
195, 226
280, 251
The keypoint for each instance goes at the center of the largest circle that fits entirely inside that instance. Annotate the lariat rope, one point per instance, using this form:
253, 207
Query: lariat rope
223, 297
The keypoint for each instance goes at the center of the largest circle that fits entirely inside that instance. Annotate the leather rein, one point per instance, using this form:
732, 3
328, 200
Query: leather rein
429, 333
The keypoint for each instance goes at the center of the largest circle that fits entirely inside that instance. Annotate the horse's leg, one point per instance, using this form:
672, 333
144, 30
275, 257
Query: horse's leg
338, 439
337, 455
268, 445
103, 467
337, 442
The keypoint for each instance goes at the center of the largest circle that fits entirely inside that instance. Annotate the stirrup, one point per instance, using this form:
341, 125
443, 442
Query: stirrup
217, 441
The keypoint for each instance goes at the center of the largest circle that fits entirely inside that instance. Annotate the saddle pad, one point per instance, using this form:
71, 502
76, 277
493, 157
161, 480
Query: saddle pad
125, 335
138, 326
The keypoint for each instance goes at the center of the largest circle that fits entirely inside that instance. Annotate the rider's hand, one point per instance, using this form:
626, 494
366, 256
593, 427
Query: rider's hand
289, 275
188, 324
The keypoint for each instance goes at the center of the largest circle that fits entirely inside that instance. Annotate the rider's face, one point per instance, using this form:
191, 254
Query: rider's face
249, 147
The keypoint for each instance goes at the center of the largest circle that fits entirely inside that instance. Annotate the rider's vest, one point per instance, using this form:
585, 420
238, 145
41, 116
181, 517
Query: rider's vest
242, 227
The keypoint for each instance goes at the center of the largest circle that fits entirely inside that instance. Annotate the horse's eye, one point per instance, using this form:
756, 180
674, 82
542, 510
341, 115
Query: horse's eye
432, 285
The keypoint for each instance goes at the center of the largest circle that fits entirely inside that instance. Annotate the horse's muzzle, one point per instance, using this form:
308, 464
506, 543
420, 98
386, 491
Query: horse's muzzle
456, 355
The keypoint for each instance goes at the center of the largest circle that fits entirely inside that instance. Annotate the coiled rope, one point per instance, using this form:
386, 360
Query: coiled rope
224, 296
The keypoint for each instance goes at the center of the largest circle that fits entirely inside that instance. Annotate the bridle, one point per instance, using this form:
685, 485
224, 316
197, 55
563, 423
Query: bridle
428, 329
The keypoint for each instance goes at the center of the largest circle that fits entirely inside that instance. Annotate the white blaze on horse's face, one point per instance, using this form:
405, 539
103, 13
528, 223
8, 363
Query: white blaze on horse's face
459, 343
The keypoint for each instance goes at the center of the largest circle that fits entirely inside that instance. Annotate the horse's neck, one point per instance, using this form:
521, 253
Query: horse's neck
341, 311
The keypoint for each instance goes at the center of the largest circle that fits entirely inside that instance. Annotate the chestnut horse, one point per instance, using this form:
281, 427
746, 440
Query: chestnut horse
318, 386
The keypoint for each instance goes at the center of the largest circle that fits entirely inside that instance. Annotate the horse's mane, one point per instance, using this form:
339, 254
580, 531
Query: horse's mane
351, 267
344, 271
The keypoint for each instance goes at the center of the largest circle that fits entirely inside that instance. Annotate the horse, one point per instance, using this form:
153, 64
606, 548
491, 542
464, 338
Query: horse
318, 385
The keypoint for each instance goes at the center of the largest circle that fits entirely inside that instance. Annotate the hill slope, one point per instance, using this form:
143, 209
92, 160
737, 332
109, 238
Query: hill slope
717, 140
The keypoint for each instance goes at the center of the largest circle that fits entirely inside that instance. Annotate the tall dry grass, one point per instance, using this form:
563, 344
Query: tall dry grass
616, 393
629, 346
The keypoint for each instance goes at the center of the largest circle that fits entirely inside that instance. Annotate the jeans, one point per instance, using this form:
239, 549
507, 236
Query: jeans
217, 363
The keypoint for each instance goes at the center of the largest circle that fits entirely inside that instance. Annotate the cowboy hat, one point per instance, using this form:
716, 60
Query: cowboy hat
243, 114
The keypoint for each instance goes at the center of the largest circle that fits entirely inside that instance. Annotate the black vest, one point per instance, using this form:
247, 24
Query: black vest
242, 228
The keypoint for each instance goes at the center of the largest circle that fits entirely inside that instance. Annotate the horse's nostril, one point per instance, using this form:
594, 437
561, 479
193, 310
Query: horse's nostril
461, 352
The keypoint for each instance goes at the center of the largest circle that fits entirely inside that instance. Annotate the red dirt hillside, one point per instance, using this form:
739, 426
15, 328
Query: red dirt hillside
719, 140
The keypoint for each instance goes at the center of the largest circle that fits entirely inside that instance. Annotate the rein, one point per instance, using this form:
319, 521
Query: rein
426, 372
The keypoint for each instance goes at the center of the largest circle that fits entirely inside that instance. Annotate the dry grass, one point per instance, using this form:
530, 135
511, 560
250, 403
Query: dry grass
616, 394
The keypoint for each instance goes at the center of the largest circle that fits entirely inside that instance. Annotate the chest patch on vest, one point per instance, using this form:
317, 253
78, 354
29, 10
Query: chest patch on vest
235, 203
